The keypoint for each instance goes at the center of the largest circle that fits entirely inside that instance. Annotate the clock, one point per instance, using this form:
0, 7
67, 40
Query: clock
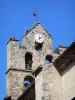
39, 38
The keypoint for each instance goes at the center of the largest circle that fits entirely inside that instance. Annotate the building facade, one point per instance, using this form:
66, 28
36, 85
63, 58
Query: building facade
35, 71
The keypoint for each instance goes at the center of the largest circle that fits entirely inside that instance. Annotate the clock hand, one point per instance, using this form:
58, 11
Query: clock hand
40, 37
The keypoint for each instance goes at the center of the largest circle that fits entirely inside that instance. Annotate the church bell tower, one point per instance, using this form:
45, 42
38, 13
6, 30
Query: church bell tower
23, 60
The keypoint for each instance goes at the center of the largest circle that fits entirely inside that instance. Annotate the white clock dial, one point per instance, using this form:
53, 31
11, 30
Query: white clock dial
39, 38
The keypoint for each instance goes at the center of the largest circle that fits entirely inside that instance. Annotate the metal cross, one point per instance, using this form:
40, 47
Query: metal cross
35, 14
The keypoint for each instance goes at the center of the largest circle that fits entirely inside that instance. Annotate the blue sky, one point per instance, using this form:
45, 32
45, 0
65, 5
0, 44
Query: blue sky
57, 16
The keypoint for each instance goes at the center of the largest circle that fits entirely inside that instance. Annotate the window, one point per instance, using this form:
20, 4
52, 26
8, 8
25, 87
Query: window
28, 61
28, 80
48, 59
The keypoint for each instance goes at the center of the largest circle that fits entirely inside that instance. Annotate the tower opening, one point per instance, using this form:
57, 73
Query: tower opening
28, 80
48, 59
28, 61
38, 46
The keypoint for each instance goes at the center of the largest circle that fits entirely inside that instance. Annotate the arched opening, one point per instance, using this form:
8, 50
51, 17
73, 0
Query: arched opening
28, 80
38, 46
28, 61
48, 59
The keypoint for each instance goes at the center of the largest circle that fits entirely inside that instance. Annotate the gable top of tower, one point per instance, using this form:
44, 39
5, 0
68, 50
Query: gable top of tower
37, 24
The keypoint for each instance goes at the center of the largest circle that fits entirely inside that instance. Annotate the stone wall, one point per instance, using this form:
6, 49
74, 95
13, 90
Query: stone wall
15, 86
38, 87
12, 54
48, 84
68, 83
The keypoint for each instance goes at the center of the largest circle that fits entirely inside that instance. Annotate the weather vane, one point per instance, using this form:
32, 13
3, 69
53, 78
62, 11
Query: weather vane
35, 14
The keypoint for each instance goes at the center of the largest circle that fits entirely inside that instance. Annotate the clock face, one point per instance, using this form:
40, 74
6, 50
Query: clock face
39, 38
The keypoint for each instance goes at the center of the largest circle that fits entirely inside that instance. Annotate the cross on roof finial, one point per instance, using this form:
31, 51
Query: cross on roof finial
35, 14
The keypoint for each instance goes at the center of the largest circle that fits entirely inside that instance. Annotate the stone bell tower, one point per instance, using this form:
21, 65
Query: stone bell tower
23, 60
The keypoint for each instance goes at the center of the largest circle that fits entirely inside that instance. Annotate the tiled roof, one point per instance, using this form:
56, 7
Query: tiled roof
63, 62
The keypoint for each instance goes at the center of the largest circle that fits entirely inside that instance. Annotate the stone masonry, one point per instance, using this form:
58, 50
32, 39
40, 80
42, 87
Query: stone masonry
49, 84
16, 71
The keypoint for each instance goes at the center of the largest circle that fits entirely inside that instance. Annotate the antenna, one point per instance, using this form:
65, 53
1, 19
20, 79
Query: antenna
35, 14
